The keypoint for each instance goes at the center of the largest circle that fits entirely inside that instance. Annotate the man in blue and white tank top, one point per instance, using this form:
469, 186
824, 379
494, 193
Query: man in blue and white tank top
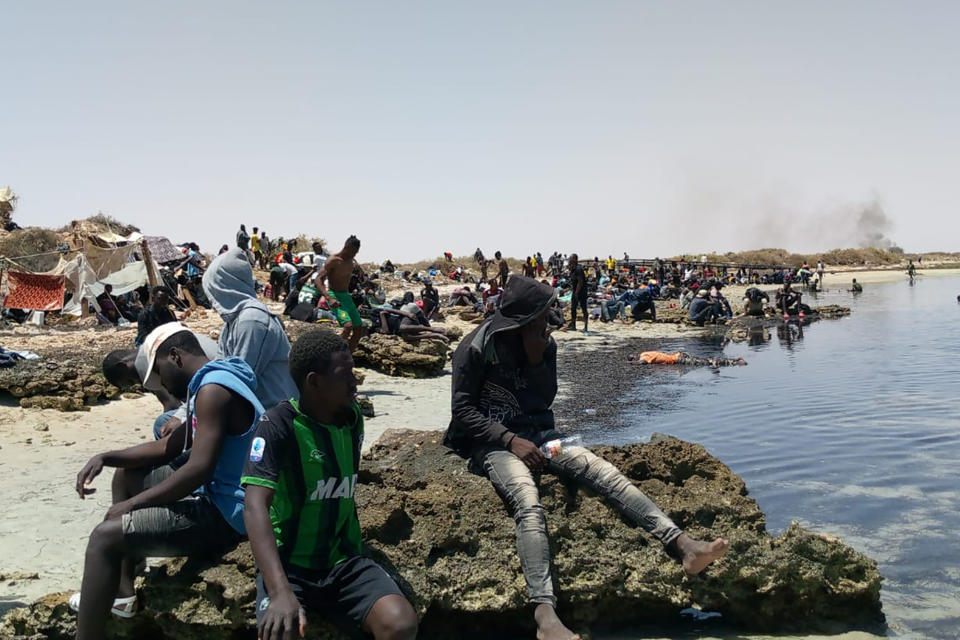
177, 496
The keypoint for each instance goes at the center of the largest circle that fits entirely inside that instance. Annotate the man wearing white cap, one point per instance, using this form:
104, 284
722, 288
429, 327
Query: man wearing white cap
177, 496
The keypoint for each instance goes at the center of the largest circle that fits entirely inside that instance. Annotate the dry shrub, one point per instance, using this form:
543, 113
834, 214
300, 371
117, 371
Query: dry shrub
834, 257
100, 223
305, 243
29, 241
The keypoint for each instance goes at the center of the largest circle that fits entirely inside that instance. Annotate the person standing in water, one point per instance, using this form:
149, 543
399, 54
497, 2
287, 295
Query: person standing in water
338, 268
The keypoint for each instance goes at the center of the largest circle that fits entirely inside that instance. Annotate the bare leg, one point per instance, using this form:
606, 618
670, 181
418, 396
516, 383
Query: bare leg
391, 618
354, 334
101, 576
126, 484
549, 626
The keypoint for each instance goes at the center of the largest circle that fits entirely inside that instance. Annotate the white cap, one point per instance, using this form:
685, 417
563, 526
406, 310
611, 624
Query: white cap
151, 382
208, 345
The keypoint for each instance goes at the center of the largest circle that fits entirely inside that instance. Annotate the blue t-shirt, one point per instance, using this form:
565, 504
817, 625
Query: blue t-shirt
192, 269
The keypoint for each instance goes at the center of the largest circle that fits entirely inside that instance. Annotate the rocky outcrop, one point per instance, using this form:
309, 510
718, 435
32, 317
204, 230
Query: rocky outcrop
447, 536
389, 354
69, 376
396, 357
755, 329
67, 383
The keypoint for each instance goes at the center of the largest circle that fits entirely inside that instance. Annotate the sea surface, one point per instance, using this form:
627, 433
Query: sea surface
848, 426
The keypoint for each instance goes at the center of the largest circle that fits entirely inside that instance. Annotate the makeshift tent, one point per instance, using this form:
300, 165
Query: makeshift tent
92, 265
84, 282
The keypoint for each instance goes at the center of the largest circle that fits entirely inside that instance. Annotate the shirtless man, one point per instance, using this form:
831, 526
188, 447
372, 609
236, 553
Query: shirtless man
338, 268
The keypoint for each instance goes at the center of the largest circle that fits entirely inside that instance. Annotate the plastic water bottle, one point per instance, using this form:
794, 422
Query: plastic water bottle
590, 412
554, 448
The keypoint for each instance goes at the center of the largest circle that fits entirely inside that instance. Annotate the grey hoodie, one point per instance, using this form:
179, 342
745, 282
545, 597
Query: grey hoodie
251, 332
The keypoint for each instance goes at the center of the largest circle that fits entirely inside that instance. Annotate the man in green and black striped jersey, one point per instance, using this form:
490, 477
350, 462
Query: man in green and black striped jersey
300, 512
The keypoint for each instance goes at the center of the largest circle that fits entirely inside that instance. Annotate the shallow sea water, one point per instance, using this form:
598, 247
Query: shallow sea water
849, 426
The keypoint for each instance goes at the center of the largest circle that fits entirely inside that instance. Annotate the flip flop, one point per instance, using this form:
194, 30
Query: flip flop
122, 607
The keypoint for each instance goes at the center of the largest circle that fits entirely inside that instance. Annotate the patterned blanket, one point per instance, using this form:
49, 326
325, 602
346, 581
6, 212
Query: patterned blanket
34, 291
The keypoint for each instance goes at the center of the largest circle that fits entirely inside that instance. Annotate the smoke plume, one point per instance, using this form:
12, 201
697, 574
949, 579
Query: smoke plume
872, 227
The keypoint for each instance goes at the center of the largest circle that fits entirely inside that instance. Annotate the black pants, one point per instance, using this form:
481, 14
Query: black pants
643, 307
582, 303
708, 313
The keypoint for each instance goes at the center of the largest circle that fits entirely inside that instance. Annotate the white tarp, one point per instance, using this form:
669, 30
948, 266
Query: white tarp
84, 281
114, 238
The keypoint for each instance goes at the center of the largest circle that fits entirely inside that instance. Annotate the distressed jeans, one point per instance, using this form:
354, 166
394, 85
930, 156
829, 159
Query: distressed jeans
610, 309
516, 485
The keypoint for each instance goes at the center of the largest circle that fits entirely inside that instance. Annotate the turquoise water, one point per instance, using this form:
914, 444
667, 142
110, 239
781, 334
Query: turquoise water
849, 426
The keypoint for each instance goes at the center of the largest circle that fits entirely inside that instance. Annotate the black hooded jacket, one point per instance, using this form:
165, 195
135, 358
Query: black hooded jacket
496, 391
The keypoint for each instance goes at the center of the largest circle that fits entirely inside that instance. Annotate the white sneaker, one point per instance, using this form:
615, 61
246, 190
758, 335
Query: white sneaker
122, 607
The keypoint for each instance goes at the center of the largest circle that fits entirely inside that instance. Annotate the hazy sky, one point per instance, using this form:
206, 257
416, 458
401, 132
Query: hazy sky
597, 127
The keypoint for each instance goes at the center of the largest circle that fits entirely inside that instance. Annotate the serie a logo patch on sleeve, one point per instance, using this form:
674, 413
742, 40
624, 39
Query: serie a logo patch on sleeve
256, 449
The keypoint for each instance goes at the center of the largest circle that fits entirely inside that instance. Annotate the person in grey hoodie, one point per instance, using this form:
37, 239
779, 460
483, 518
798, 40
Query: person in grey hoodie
250, 331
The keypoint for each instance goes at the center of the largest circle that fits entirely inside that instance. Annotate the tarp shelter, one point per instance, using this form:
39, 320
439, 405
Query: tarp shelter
88, 270
84, 281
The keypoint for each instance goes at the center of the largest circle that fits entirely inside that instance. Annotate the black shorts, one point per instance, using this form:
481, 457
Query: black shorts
342, 595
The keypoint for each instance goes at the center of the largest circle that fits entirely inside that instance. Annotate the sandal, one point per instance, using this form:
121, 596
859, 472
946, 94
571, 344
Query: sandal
122, 607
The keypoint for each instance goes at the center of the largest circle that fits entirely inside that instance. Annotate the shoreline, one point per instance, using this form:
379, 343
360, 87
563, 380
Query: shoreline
39, 497
836, 277
43, 449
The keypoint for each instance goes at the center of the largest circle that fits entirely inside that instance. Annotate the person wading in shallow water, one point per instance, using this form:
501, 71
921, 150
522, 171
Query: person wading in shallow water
504, 383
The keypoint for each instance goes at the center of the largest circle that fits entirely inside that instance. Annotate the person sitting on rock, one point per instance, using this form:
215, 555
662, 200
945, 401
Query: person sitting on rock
754, 301
644, 303
703, 309
250, 331
431, 299
491, 296
504, 383
683, 358
787, 299
124, 368
302, 518
723, 304
463, 297
154, 315
177, 496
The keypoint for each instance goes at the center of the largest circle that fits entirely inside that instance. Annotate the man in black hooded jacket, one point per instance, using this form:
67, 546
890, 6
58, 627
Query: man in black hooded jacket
504, 383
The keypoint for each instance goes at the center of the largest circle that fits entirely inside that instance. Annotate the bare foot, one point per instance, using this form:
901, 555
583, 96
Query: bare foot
697, 555
549, 626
